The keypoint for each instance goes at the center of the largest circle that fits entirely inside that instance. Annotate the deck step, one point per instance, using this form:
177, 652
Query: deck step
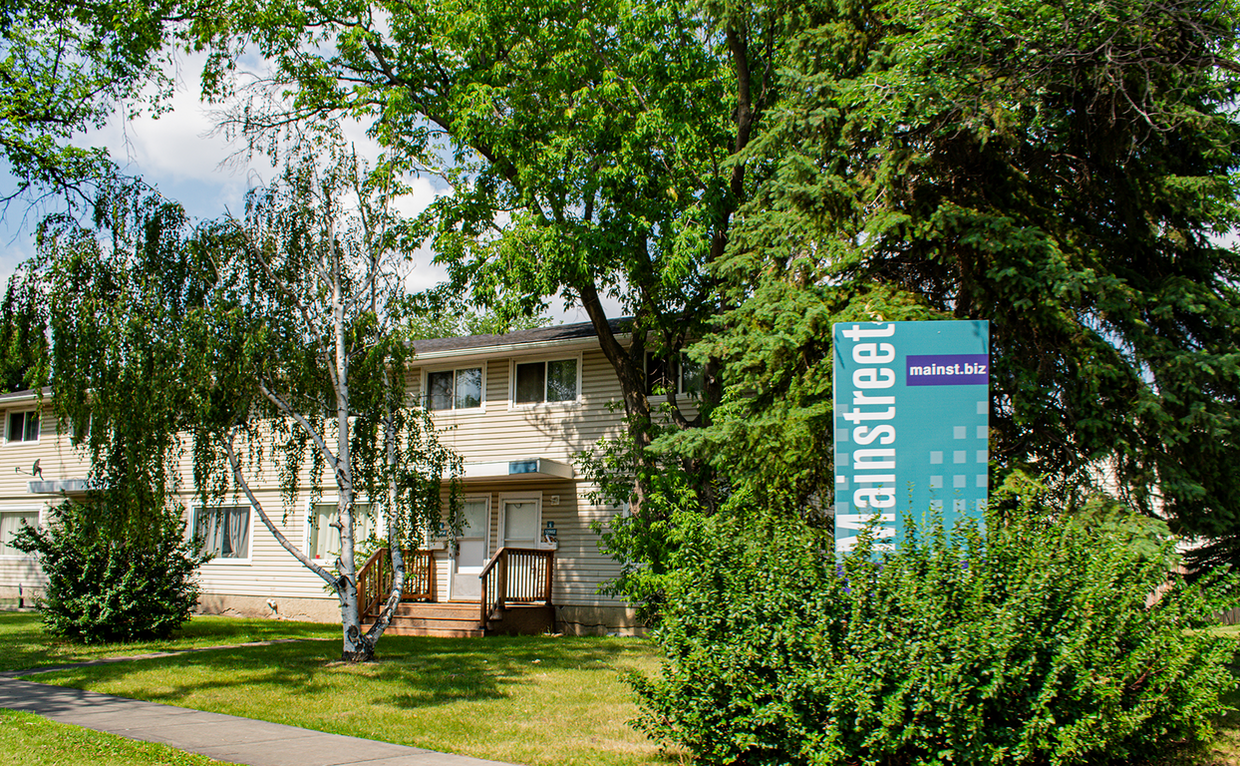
449, 619
460, 619
396, 629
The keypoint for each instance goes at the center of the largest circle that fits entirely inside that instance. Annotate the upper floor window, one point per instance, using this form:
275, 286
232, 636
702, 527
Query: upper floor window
454, 389
11, 522
23, 426
547, 381
662, 373
224, 531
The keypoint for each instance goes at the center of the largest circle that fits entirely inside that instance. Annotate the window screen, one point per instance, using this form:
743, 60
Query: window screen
454, 389
554, 381
23, 426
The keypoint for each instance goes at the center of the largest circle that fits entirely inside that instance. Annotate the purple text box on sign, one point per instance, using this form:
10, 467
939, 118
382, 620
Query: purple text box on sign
947, 370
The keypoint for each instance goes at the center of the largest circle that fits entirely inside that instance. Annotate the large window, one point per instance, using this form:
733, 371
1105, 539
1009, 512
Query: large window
551, 381
662, 374
10, 523
224, 531
324, 542
23, 426
454, 389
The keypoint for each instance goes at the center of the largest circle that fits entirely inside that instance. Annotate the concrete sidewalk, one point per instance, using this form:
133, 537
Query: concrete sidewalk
223, 737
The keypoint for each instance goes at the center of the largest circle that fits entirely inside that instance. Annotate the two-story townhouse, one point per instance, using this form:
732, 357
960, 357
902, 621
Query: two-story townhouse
517, 408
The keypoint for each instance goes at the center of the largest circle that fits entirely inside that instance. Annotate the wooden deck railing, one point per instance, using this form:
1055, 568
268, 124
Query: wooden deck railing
516, 576
374, 582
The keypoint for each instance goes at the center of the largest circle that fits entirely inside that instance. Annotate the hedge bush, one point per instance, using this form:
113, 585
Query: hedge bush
1031, 643
102, 589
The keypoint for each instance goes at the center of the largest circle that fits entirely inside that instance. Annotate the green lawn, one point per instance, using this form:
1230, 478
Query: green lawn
535, 700
28, 740
23, 643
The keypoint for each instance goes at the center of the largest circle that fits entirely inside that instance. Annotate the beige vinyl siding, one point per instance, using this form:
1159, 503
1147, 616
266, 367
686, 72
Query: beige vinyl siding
269, 570
57, 459
556, 430
496, 432
559, 431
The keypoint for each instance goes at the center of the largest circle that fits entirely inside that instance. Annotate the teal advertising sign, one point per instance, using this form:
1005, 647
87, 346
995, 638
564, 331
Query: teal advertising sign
912, 404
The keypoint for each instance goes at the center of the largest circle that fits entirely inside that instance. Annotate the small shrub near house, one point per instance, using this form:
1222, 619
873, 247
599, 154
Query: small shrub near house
1029, 643
104, 589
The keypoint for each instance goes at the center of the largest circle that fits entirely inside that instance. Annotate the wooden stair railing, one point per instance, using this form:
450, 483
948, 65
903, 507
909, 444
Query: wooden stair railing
516, 576
374, 581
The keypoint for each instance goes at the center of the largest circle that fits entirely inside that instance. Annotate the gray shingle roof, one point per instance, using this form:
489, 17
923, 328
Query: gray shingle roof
20, 395
566, 332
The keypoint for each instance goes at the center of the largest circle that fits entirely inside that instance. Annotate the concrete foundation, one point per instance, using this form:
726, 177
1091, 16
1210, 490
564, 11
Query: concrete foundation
275, 608
27, 594
598, 621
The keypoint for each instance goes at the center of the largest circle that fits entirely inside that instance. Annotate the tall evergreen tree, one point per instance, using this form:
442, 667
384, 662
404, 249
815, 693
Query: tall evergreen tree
1066, 171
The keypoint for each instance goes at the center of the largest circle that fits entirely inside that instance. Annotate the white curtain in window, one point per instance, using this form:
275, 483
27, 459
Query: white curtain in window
10, 523
323, 536
237, 534
209, 530
225, 532
325, 539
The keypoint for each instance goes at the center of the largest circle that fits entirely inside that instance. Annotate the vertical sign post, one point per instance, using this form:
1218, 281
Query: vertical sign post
912, 404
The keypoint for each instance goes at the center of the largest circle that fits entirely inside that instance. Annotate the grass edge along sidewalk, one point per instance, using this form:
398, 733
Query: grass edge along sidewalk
232, 739
27, 739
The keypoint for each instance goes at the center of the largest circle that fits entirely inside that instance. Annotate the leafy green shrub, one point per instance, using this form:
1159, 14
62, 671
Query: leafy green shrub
102, 589
1030, 643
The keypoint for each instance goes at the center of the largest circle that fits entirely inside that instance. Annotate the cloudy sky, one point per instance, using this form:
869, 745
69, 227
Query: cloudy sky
178, 154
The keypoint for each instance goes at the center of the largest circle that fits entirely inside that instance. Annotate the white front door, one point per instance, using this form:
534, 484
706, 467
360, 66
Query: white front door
471, 553
520, 517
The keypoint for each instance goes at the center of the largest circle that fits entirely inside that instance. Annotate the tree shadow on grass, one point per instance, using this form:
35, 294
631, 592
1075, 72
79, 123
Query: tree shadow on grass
410, 672
442, 670
24, 644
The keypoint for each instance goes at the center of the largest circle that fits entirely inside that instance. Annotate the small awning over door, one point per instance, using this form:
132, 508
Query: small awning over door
522, 469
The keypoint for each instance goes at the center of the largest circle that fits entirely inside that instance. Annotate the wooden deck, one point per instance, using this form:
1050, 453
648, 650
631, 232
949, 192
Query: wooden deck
516, 586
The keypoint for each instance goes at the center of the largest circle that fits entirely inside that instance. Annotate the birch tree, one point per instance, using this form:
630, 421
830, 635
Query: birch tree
278, 337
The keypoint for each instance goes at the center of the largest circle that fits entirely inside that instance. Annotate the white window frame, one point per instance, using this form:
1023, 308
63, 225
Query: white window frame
680, 378
454, 410
307, 527
8, 437
513, 404
24, 510
536, 497
197, 508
